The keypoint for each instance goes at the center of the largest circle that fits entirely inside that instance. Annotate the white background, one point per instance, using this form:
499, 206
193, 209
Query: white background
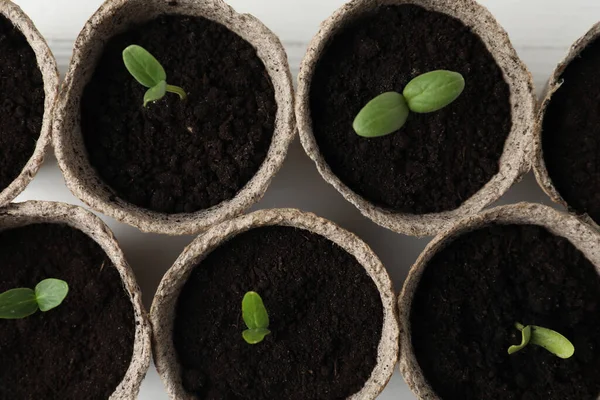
541, 31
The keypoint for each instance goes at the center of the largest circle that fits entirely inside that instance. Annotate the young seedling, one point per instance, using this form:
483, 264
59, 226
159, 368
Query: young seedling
550, 340
147, 70
426, 93
256, 318
22, 302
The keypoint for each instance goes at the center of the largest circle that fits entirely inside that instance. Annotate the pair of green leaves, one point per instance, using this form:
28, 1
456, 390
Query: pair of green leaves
426, 93
23, 302
255, 317
147, 70
550, 340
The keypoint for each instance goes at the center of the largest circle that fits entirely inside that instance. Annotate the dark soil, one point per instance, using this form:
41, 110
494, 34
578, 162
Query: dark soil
79, 350
437, 160
21, 102
325, 316
571, 134
180, 156
470, 297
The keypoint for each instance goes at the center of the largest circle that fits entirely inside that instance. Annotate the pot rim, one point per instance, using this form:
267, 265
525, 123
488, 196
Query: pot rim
115, 16
162, 313
554, 83
515, 160
581, 235
31, 212
50, 76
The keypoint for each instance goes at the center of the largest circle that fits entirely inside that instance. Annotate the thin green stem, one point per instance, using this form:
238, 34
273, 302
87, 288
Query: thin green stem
177, 90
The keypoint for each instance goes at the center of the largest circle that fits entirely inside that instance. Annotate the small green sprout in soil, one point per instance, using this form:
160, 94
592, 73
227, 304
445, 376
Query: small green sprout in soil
426, 93
550, 340
147, 70
22, 302
256, 318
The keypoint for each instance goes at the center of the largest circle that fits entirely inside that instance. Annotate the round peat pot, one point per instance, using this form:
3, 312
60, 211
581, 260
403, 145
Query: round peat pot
329, 302
567, 139
174, 166
96, 344
439, 166
462, 300
28, 89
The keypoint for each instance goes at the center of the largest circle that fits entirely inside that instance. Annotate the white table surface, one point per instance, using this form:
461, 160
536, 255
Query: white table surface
541, 31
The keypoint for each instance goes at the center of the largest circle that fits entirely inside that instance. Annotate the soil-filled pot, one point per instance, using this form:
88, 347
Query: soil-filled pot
28, 89
439, 166
96, 344
174, 166
329, 300
524, 263
567, 138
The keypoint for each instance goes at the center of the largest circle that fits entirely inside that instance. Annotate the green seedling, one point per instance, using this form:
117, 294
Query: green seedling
256, 318
550, 340
22, 302
147, 71
426, 93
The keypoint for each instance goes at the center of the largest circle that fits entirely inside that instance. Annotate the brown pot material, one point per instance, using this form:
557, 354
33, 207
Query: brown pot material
554, 83
163, 307
514, 162
114, 17
49, 70
561, 224
36, 212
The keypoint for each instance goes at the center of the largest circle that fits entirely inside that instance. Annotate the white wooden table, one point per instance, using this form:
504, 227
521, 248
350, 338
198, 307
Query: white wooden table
541, 31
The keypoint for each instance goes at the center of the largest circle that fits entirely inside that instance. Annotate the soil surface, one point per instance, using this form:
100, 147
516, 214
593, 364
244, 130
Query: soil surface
475, 290
21, 102
325, 316
180, 156
82, 348
437, 160
571, 134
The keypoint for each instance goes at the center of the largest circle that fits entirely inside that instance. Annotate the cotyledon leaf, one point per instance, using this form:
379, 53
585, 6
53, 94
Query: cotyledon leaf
433, 90
50, 293
381, 116
155, 93
552, 341
17, 303
143, 66
254, 336
525, 338
254, 312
